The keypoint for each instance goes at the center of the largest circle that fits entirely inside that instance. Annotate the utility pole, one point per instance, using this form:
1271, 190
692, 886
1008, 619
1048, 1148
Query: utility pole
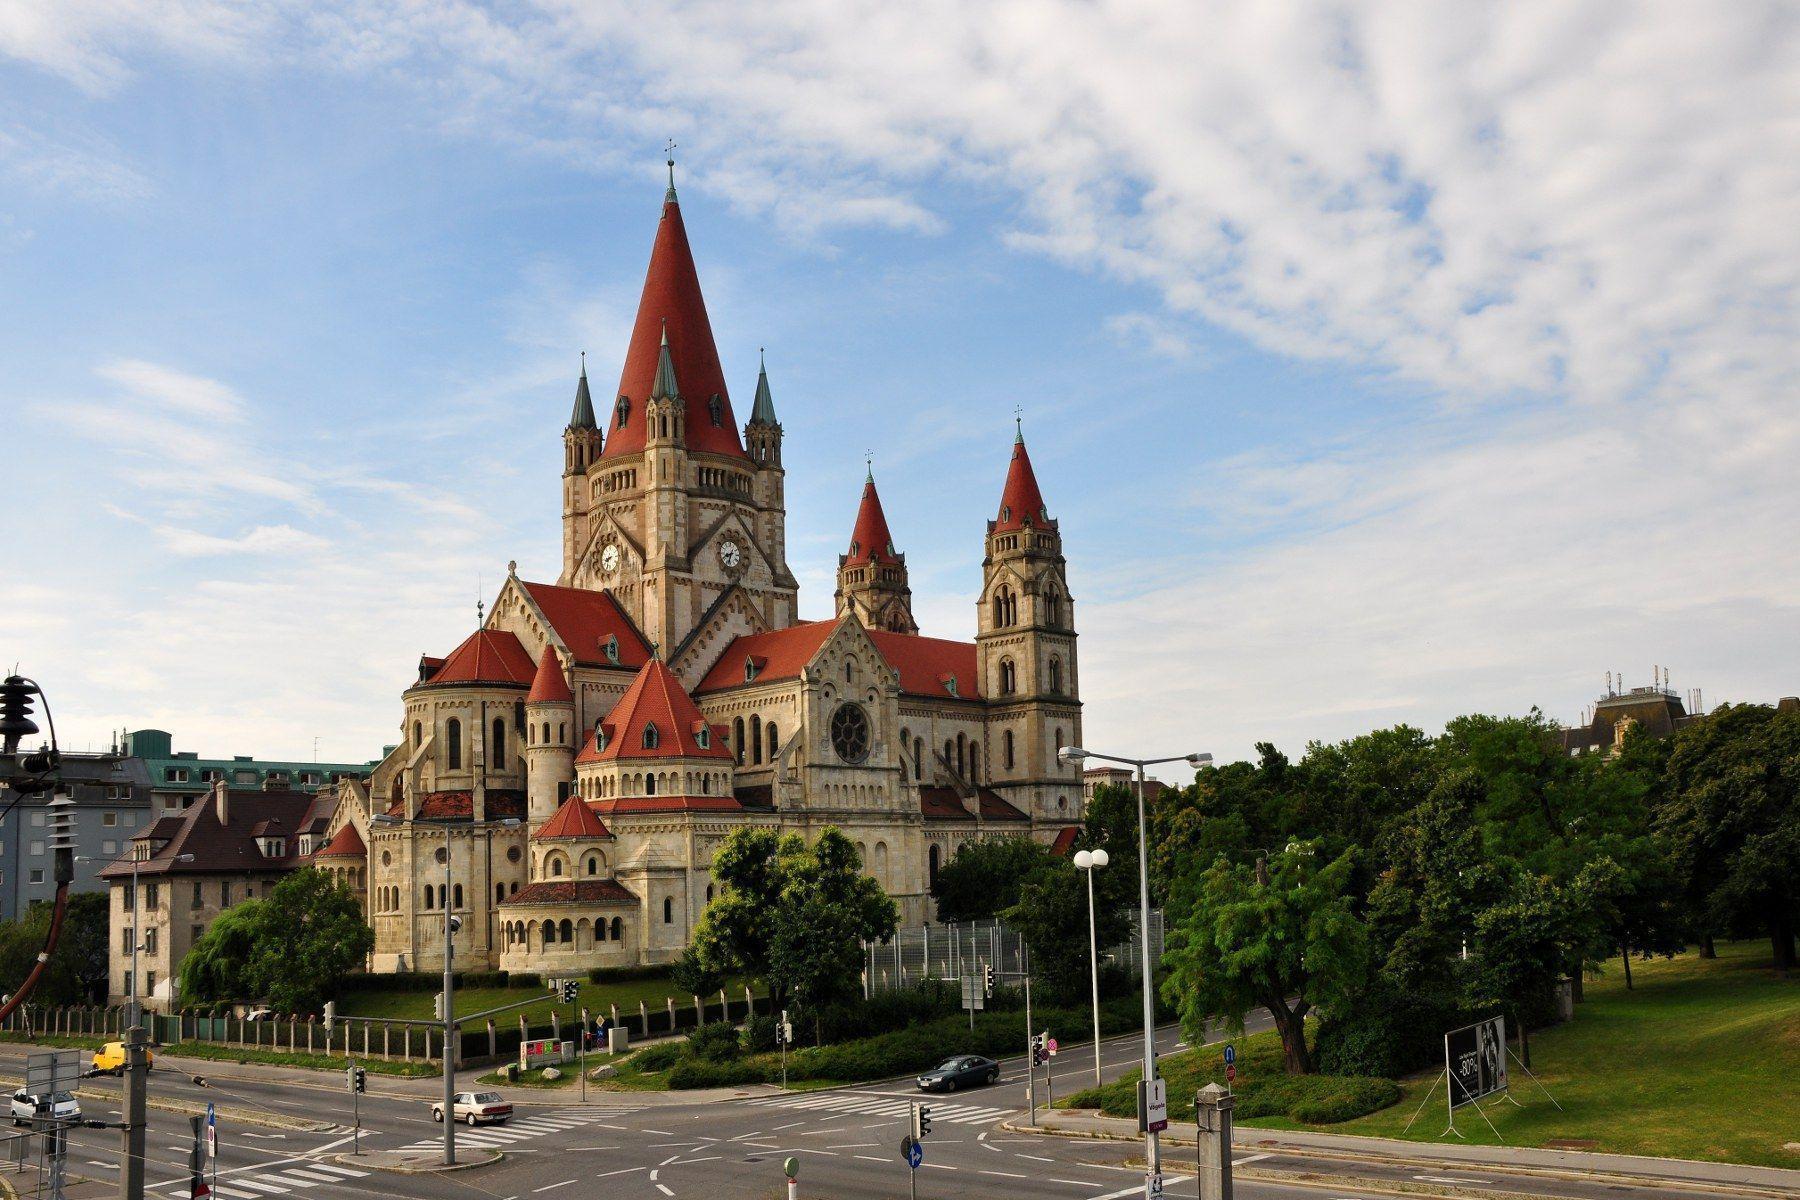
137, 1071
1030, 1045
450, 924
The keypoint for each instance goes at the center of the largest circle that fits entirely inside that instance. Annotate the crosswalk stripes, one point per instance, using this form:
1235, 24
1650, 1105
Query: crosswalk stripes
887, 1106
524, 1128
304, 1177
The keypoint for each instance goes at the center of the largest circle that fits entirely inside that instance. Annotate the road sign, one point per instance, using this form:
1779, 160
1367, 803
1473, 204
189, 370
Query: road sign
1230, 1054
915, 1154
1156, 1184
1050, 1047
1156, 1105
1230, 1072
973, 997
791, 1167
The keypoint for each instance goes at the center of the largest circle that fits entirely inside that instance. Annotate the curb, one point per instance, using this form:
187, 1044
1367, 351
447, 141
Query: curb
191, 1109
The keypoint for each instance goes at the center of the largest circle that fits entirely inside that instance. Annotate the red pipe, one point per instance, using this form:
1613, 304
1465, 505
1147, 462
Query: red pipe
43, 959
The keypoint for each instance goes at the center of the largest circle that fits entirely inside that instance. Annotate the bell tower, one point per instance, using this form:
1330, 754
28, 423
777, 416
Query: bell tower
582, 443
1025, 642
871, 579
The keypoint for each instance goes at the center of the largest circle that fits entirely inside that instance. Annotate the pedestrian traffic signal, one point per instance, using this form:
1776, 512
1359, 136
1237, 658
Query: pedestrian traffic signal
359, 1079
437, 1006
924, 1120
330, 1015
987, 979
569, 989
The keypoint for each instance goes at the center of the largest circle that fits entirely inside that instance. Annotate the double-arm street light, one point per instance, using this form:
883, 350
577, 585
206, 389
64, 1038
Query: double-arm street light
1088, 861
137, 924
1075, 756
451, 924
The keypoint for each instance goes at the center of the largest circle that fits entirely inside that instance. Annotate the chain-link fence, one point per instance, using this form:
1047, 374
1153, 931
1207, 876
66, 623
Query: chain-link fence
961, 949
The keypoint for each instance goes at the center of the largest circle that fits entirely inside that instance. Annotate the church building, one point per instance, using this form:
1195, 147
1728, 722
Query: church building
565, 774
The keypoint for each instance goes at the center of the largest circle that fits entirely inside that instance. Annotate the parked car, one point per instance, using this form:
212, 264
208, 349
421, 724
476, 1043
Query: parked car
476, 1108
965, 1070
111, 1058
60, 1105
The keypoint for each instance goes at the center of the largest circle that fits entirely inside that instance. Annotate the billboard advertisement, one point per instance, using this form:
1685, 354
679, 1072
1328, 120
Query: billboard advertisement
1475, 1060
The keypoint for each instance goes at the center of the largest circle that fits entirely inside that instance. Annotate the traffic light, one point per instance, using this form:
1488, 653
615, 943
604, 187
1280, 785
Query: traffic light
359, 1079
987, 979
569, 989
1039, 1046
921, 1121
330, 1015
437, 1006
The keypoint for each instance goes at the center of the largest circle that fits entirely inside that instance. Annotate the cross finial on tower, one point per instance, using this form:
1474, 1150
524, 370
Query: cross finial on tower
869, 466
669, 151
1018, 423
584, 364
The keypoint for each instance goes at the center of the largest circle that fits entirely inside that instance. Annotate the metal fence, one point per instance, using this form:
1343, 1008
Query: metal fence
961, 949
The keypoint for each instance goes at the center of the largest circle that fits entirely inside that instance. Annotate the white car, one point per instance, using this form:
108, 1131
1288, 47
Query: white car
58, 1105
476, 1108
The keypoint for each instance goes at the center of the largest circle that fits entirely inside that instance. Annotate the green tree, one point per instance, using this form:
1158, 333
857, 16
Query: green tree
1731, 812
694, 975
76, 972
1291, 945
290, 949
1052, 917
217, 967
983, 878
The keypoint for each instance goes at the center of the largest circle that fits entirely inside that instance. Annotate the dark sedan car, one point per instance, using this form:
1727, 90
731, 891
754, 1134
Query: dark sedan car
965, 1070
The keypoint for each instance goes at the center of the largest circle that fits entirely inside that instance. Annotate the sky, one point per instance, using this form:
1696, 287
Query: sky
1382, 363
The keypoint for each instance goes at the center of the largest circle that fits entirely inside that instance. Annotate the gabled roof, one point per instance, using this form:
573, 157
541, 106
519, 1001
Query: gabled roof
1021, 503
870, 541
218, 848
930, 666
1065, 841
573, 820
629, 805
548, 686
347, 844
655, 699
487, 656
779, 654
943, 804
672, 301
585, 619
573, 891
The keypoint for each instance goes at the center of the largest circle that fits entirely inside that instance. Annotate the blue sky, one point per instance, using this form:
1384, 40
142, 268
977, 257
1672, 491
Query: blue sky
1380, 367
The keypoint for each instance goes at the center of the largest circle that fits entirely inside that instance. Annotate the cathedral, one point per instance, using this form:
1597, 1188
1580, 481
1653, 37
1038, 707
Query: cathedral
564, 775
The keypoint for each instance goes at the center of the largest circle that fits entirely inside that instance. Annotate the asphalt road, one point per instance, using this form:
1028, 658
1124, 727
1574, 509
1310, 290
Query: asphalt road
645, 1148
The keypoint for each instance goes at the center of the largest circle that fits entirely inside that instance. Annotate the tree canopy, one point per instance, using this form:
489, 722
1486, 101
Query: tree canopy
289, 950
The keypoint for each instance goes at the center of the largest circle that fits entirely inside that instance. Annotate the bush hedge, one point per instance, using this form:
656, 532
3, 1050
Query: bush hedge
625, 974
433, 981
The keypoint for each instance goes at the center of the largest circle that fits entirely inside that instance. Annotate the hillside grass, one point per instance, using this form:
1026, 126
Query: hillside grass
598, 997
1701, 1060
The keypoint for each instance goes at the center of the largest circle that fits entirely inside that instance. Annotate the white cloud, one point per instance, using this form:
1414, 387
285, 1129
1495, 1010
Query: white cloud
263, 539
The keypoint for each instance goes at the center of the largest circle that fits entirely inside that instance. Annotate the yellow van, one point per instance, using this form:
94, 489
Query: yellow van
111, 1058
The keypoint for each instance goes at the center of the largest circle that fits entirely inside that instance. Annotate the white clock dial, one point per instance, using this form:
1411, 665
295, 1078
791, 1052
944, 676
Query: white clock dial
729, 554
609, 559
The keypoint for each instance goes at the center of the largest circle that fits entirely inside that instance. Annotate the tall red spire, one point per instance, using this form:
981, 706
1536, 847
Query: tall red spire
870, 540
672, 301
1021, 504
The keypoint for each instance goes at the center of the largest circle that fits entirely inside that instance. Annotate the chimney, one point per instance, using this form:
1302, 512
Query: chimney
222, 801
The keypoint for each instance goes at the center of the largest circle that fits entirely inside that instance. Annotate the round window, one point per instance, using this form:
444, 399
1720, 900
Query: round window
850, 732
440, 855
512, 854
387, 860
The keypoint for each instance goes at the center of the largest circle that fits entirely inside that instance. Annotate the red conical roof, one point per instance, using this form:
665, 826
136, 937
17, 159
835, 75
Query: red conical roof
870, 541
656, 698
548, 686
573, 820
486, 656
672, 301
1021, 504
347, 844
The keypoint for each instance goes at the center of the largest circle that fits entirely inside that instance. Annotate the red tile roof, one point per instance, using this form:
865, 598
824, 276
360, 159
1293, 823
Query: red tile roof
870, 541
1021, 503
1065, 841
943, 804
548, 686
487, 656
229, 848
460, 806
347, 844
575, 819
927, 665
656, 698
995, 807
584, 620
627, 805
780, 654
573, 891
672, 301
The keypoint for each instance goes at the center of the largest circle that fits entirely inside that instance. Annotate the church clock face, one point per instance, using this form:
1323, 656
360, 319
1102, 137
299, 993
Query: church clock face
729, 554
609, 559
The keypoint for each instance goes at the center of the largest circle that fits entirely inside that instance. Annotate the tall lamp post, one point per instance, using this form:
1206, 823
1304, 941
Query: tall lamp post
451, 924
132, 1016
1075, 756
1089, 861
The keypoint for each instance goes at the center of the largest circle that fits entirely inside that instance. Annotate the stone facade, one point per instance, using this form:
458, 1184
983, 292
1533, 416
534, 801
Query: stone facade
581, 755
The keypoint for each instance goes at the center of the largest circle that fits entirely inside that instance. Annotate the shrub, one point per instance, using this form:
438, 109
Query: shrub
659, 1057
700, 1073
1387, 1031
715, 1041
759, 1033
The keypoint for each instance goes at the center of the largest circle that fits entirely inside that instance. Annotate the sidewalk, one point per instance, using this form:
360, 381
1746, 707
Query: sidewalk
1513, 1158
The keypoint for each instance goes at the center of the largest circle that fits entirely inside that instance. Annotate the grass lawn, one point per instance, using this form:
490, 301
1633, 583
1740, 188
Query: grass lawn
1701, 1060
627, 994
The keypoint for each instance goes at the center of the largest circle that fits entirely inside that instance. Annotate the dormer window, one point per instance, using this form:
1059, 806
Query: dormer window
611, 647
703, 738
1006, 512
749, 670
716, 409
599, 737
272, 847
176, 774
623, 412
652, 737
950, 684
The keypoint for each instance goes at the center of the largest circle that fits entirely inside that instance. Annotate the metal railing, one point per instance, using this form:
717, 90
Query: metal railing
960, 949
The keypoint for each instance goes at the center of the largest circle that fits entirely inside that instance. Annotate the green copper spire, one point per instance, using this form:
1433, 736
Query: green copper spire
665, 388
764, 409
583, 416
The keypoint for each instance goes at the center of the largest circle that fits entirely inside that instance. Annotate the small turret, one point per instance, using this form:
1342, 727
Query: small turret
549, 739
582, 439
762, 436
664, 413
872, 577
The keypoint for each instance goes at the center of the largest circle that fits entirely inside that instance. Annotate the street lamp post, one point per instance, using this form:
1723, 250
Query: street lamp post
1074, 756
132, 1014
1089, 861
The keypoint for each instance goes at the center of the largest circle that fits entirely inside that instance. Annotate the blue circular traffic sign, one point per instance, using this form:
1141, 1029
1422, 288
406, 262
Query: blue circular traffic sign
915, 1154
1230, 1053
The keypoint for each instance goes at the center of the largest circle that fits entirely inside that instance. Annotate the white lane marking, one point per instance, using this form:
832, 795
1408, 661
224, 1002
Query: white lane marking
869, 1158
1032, 1157
653, 1177
550, 1187
665, 1191
309, 1176
1237, 1161
1004, 1174
620, 1171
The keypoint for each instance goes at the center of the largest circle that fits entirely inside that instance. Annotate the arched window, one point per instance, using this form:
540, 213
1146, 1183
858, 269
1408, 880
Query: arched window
429, 893
881, 863
668, 910
715, 408
456, 897
905, 749
1053, 608
546, 737
453, 740
593, 864
650, 785
1059, 741
962, 755
418, 736
949, 752
497, 753
566, 932
756, 739
774, 741
1055, 675
556, 866
618, 929
600, 930
549, 933
623, 412
709, 893
499, 892
652, 736
1006, 749
1009, 677
737, 740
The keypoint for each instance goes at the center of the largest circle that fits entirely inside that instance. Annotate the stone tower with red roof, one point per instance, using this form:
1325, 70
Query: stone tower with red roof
871, 578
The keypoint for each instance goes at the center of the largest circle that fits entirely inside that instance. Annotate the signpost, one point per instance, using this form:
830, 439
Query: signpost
912, 1147
1153, 1104
973, 997
357, 1078
1474, 1069
784, 1033
791, 1168
47, 1075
